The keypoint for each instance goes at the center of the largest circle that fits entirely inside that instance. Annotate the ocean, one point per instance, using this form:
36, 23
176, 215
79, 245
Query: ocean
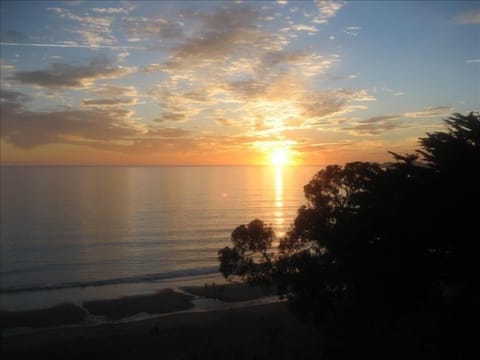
70, 234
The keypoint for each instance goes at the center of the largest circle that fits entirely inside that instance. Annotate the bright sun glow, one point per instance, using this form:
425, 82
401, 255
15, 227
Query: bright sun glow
279, 157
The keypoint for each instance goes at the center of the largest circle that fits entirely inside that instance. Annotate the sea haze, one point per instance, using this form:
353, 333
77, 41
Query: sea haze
117, 230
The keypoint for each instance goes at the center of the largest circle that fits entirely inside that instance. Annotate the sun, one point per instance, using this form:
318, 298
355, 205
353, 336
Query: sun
279, 157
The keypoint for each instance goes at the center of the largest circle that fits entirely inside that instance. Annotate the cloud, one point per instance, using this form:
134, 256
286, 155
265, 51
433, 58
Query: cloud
375, 125
379, 124
472, 61
153, 68
109, 102
113, 90
354, 95
13, 98
72, 44
352, 30
221, 33
308, 146
5, 68
169, 132
225, 122
221, 41
61, 75
229, 61
101, 22
326, 10
111, 10
183, 104
169, 116
159, 28
28, 129
302, 27
380, 119
430, 112
95, 30
467, 18
228, 68
319, 104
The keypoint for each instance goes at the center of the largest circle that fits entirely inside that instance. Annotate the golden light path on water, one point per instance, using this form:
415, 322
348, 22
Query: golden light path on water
279, 216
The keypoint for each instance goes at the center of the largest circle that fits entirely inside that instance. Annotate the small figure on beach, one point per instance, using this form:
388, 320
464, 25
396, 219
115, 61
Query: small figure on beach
154, 331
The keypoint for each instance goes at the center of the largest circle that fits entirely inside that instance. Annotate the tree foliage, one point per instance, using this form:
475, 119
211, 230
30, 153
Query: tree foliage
249, 258
446, 151
373, 243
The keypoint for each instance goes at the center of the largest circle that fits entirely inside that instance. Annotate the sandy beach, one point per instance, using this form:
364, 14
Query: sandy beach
181, 332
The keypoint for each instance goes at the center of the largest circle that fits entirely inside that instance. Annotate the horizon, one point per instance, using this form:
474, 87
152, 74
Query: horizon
207, 83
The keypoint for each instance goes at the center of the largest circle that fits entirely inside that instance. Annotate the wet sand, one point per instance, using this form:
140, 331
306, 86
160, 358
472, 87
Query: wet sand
253, 332
229, 293
162, 302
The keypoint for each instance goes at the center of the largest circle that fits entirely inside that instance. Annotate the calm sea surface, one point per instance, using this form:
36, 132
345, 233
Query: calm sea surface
73, 233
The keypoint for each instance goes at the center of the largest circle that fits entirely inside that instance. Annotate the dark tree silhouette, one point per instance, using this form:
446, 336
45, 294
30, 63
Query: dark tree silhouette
459, 146
381, 257
250, 257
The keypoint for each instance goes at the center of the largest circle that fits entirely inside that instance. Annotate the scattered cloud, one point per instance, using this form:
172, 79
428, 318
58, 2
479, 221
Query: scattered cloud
95, 30
380, 119
225, 122
431, 112
168, 116
352, 30
222, 35
153, 68
109, 102
5, 69
375, 125
113, 90
309, 147
61, 75
321, 103
158, 28
230, 76
231, 62
27, 129
13, 98
73, 45
111, 10
302, 27
354, 95
327, 9
169, 132
467, 18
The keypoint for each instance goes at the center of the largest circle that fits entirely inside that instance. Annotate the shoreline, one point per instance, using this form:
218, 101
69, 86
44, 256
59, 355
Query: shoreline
261, 330
34, 300
194, 326
164, 302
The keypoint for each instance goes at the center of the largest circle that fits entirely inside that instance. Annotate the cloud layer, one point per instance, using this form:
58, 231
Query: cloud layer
220, 79
60, 75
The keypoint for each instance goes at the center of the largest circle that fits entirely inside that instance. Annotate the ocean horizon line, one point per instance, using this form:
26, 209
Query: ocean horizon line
154, 166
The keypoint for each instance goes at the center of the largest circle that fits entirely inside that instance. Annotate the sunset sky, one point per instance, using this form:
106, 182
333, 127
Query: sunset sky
228, 83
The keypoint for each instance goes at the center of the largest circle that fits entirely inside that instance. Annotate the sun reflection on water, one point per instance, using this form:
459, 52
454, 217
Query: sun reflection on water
279, 219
